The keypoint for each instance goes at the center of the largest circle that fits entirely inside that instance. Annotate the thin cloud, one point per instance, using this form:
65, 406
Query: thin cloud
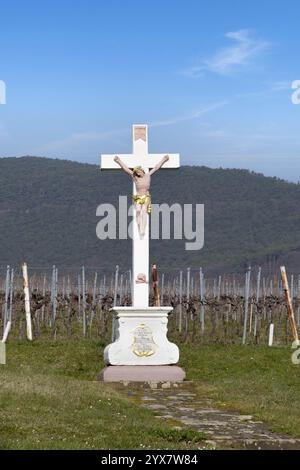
77, 138
270, 88
282, 85
228, 59
188, 117
74, 140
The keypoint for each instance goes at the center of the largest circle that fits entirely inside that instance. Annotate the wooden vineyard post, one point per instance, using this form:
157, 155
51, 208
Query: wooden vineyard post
289, 304
188, 281
115, 301
7, 282
271, 334
257, 300
180, 302
53, 295
83, 301
219, 287
162, 290
11, 295
130, 283
116, 285
27, 302
93, 312
79, 295
250, 318
43, 294
247, 294
2, 343
202, 294
6, 331
155, 286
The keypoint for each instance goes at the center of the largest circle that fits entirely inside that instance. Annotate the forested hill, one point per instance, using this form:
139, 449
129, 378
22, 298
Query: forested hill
48, 216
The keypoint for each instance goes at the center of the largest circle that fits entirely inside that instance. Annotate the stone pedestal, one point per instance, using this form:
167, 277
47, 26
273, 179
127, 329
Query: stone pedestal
141, 343
146, 374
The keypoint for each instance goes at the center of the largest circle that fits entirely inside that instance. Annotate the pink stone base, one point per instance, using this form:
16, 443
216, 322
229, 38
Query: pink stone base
154, 374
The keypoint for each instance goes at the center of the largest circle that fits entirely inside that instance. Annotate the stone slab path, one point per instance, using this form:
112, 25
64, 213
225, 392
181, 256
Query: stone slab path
183, 408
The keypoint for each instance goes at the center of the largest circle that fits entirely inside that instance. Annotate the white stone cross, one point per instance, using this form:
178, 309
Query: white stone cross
140, 244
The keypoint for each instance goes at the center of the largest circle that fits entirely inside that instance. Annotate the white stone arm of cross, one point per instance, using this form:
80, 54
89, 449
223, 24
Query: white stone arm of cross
123, 165
151, 160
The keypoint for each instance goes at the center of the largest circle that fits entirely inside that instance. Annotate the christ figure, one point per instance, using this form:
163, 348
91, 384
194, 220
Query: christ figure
142, 198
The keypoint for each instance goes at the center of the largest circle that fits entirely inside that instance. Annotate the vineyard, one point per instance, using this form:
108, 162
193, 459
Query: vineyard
228, 309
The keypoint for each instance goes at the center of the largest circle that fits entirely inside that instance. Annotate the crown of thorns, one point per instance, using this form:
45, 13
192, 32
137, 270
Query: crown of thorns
137, 168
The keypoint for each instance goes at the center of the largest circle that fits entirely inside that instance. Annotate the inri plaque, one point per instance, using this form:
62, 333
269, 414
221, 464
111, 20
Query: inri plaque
143, 344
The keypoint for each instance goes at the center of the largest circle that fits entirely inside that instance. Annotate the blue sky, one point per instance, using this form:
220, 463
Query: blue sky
213, 80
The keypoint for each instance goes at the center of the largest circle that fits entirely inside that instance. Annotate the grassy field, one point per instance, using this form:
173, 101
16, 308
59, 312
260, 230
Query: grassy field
49, 397
256, 380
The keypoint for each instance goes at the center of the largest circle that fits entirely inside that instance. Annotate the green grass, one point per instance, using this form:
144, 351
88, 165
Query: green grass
49, 397
256, 380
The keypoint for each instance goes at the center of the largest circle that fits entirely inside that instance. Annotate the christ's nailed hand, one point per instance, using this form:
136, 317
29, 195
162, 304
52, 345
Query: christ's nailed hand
166, 158
116, 159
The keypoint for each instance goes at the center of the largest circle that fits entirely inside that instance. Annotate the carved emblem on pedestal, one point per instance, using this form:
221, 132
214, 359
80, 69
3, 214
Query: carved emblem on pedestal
143, 344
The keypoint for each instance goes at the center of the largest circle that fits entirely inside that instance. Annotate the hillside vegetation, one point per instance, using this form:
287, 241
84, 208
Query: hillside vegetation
48, 216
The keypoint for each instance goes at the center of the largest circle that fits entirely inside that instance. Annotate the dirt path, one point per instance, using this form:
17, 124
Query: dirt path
183, 408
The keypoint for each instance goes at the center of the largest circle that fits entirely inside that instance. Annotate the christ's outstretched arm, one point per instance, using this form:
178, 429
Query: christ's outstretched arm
123, 166
159, 165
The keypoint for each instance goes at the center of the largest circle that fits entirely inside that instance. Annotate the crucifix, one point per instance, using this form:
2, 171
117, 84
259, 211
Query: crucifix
140, 165
140, 332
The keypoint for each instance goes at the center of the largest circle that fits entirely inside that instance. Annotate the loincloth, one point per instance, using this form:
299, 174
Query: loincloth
143, 199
